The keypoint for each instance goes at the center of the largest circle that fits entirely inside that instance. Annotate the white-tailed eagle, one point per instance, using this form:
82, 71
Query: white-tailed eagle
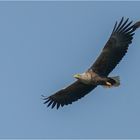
113, 51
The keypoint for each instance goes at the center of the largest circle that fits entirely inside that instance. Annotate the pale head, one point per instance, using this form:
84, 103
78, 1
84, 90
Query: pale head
84, 77
77, 76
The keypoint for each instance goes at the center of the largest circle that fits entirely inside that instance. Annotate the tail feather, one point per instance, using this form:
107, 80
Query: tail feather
117, 81
112, 82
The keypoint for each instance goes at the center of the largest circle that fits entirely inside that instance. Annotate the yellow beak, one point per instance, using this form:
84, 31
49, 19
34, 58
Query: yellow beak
76, 76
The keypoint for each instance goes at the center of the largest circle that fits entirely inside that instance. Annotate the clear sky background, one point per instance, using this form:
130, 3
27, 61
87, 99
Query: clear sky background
42, 45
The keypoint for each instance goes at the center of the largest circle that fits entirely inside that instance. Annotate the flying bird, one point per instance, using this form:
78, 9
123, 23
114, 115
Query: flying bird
113, 51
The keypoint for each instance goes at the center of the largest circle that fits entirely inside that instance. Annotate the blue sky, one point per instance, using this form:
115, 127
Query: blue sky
42, 45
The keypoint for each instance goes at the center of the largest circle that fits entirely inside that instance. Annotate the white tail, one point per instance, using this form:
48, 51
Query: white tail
117, 80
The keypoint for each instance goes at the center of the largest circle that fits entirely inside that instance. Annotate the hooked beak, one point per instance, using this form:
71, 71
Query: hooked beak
77, 76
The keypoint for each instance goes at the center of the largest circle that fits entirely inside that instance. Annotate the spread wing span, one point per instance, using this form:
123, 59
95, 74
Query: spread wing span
112, 53
68, 95
116, 47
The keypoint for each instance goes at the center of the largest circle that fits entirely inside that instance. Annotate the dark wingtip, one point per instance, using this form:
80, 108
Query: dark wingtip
53, 105
58, 105
124, 26
51, 101
47, 100
120, 23
136, 25
43, 97
114, 27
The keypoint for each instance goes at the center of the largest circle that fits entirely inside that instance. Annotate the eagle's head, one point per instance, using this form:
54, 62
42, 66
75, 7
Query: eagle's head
84, 77
78, 76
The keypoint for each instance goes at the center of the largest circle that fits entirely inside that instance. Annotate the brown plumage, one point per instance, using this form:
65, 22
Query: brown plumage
114, 50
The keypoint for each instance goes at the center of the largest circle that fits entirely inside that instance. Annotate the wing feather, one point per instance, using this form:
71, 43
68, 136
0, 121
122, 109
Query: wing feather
115, 48
122, 26
68, 95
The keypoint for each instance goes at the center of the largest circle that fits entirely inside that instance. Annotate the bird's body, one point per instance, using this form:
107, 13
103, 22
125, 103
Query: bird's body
112, 53
91, 78
88, 77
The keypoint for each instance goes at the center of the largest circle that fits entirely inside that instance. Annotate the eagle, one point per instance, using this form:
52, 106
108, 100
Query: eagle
97, 75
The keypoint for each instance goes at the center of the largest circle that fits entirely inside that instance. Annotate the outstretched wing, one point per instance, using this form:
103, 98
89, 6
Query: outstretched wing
115, 48
68, 95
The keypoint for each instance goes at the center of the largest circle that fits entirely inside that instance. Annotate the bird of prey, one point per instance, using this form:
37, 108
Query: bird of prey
113, 51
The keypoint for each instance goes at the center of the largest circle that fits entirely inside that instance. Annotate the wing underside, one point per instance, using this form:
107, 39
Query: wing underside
68, 95
115, 48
